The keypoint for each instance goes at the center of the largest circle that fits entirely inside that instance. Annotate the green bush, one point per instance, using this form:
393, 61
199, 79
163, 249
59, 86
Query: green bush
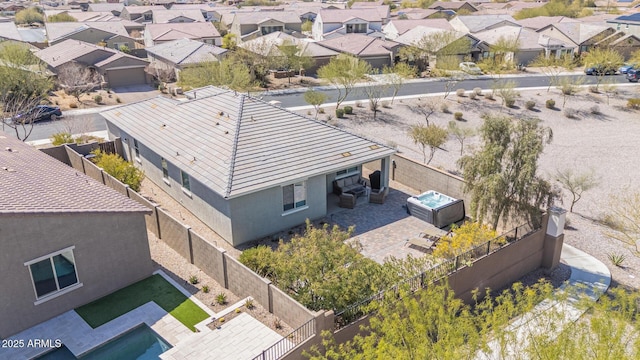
457, 116
221, 299
509, 102
634, 103
530, 105
62, 138
348, 110
550, 104
119, 168
97, 99
340, 113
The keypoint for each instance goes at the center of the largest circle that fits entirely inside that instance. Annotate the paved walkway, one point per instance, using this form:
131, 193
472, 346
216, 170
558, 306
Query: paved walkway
589, 277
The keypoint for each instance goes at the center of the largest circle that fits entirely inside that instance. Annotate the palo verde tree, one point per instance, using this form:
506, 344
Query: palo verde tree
602, 57
61, 17
552, 67
460, 133
31, 15
502, 176
374, 94
502, 57
22, 87
315, 98
225, 73
343, 72
437, 50
576, 183
294, 58
430, 137
76, 79
426, 107
569, 86
396, 76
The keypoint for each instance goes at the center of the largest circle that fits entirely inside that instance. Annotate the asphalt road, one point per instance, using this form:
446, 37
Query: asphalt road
93, 122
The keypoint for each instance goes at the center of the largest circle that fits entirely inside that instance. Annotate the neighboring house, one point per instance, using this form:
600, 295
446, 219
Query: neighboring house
177, 16
529, 43
113, 33
208, 12
378, 53
250, 25
538, 22
178, 54
82, 16
113, 8
475, 23
364, 20
205, 32
625, 44
65, 239
10, 8
630, 24
34, 36
9, 31
473, 51
397, 27
140, 13
116, 68
456, 6
577, 36
246, 168
418, 13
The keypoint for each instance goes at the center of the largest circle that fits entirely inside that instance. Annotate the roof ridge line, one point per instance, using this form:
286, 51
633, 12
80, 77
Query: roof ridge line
234, 151
193, 52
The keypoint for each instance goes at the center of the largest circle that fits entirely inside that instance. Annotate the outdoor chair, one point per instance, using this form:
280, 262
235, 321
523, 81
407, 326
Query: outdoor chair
378, 196
347, 200
374, 179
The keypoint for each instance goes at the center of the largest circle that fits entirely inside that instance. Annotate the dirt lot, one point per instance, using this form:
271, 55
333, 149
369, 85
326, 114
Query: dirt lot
604, 141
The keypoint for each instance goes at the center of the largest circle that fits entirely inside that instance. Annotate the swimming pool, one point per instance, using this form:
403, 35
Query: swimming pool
436, 208
141, 343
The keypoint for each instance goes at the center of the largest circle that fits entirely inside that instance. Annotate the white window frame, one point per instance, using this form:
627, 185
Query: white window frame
296, 208
347, 172
165, 170
186, 190
136, 150
59, 292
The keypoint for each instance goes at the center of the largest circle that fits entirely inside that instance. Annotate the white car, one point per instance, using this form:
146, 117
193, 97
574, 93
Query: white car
470, 68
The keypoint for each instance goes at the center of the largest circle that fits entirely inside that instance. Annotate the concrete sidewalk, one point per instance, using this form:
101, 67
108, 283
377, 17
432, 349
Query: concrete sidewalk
589, 278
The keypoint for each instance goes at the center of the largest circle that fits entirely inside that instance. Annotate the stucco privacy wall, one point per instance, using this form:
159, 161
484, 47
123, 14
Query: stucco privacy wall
152, 218
174, 233
248, 283
92, 170
209, 258
111, 258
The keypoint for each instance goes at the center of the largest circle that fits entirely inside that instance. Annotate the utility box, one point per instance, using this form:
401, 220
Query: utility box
557, 219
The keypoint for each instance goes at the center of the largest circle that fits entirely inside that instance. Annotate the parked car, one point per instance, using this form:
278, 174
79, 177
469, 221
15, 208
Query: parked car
470, 68
39, 113
626, 67
600, 70
633, 75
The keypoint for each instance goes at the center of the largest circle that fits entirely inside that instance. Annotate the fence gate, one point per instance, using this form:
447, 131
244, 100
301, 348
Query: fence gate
108, 147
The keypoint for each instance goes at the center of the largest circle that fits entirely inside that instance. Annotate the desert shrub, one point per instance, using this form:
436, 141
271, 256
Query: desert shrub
193, 279
634, 103
119, 168
509, 102
118, 100
460, 92
570, 113
348, 110
339, 113
617, 259
477, 91
62, 138
221, 299
321, 111
444, 108
530, 105
594, 89
472, 95
550, 104
249, 304
489, 96
277, 323
465, 237
73, 105
359, 103
97, 99
457, 116
205, 288
385, 104
595, 110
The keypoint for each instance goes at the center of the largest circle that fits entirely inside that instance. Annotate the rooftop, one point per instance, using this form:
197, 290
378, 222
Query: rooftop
173, 31
186, 51
32, 182
56, 31
69, 50
165, 16
359, 45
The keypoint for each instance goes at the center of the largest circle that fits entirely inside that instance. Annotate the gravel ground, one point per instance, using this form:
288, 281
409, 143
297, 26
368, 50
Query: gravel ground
605, 143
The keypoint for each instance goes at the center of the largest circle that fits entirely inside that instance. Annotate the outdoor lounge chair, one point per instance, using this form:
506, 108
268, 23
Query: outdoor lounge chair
378, 196
347, 200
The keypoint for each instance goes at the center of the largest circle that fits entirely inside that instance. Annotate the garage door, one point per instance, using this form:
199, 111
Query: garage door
126, 77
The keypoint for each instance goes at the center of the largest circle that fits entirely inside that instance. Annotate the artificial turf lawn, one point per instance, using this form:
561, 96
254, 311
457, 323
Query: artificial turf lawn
154, 288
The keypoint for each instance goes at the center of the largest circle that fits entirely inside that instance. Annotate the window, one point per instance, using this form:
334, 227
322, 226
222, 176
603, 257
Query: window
356, 28
53, 273
136, 149
165, 170
347, 172
185, 181
269, 29
294, 196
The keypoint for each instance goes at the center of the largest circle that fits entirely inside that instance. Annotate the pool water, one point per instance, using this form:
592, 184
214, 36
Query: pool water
434, 199
141, 343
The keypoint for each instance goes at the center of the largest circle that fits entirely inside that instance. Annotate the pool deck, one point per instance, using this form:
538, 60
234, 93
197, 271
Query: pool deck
246, 337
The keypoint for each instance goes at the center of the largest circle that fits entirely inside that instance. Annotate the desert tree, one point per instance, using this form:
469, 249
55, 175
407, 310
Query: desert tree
76, 79
569, 86
343, 72
502, 54
625, 212
163, 74
502, 175
576, 183
430, 137
506, 91
374, 93
229, 41
225, 73
602, 56
31, 15
553, 67
460, 133
425, 107
396, 76
437, 50
315, 98
22, 87
294, 58
609, 88
61, 17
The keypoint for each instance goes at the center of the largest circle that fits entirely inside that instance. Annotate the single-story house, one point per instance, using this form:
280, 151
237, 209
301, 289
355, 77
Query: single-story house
419, 13
530, 46
364, 20
9, 31
474, 23
178, 54
456, 6
65, 239
452, 45
165, 16
205, 32
208, 12
378, 53
250, 25
246, 168
113, 33
579, 36
397, 27
115, 67
142, 14
113, 8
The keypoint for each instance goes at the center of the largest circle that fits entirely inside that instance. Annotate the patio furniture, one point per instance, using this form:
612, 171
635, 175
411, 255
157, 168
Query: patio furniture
378, 196
347, 200
354, 183
374, 179
426, 243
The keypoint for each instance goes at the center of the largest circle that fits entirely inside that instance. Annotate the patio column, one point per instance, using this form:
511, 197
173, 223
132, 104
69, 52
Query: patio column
384, 171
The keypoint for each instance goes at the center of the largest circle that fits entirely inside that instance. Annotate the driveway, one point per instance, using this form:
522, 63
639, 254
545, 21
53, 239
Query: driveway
129, 94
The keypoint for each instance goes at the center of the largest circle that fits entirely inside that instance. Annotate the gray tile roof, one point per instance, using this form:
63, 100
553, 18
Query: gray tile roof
405, 25
475, 23
164, 16
107, 7
8, 30
70, 50
257, 17
173, 31
186, 51
33, 182
56, 31
359, 45
236, 144
527, 39
372, 14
